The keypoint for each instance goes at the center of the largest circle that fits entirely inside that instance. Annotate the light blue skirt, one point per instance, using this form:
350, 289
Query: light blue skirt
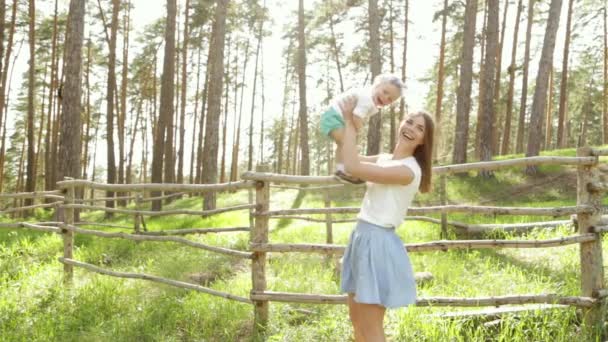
376, 267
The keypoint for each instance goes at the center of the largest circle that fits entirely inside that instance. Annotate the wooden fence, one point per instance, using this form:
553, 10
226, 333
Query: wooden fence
588, 211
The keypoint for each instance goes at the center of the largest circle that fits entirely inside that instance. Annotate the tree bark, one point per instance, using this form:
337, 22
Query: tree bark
540, 92
210, 150
482, 90
496, 124
111, 160
506, 139
375, 123
463, 101
485, 141
519, 146
563, 88
167, 105
440, 77
182, 127
30, 185
70, 138
165, 117
402, 104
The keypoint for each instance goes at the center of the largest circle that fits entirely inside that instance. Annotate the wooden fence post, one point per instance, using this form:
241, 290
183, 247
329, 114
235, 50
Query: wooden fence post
592, 269
444, 216
137, 223
68, 235
328, 219
259, 234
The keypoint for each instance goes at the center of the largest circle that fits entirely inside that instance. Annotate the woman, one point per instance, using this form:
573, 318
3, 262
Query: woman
376, 270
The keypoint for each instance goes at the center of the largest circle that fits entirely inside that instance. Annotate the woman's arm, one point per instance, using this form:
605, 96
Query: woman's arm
347, 106
372, 172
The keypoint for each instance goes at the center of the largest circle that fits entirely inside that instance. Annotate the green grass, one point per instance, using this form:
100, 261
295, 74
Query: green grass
35, 305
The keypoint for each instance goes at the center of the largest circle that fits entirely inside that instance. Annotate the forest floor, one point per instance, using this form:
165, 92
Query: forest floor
35, 305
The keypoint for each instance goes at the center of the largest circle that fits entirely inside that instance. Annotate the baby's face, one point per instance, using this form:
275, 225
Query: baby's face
384, 94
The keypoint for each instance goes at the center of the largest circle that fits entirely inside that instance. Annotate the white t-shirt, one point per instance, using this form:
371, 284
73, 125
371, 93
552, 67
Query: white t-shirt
386, 204
365, 104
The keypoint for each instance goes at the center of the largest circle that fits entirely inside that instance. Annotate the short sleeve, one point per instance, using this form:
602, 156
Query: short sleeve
365, 104
412, 164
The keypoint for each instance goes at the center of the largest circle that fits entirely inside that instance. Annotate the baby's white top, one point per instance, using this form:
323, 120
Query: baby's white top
386, 204
365, 104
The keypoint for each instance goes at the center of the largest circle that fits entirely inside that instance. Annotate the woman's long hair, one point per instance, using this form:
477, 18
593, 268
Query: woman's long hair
424, 153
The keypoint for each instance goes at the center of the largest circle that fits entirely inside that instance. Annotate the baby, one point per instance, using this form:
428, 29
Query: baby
386, 89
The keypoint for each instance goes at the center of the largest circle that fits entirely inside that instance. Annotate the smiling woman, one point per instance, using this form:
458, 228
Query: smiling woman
376, 269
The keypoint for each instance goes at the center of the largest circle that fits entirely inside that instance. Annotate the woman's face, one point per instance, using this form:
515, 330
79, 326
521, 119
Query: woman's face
411, 130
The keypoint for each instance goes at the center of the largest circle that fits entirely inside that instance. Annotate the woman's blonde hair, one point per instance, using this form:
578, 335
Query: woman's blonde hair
424, 153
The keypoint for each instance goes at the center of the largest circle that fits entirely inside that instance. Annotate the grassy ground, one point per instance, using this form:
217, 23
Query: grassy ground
35, 305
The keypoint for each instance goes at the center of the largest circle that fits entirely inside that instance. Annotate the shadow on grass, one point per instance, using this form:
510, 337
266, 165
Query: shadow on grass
297, 202
530, 267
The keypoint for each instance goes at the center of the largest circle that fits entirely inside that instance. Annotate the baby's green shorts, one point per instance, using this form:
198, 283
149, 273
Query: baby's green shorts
331, 120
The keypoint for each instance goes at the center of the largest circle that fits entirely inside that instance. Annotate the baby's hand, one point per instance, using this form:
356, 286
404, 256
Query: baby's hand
347, 106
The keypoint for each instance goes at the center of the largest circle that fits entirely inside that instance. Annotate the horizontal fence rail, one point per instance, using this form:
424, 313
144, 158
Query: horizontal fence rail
486, 210
157, 186
160, 213
139, 237
429, 246
156, 279
432, 301
186, 231
55, 194
31, 207
32, 226
438, 170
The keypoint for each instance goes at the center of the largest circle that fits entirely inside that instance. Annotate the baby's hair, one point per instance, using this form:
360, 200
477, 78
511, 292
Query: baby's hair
391, 79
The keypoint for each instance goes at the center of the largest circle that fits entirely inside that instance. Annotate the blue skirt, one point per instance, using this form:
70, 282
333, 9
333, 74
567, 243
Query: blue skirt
376, 267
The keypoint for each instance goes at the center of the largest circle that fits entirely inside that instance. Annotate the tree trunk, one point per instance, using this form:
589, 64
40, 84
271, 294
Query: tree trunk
402, 104
463, 101
194, 121
168, 86
253, 95
182, 127
485, 141
111, 160
5, 114
605, 91
123, 100
263, 104
70, 138
49, 162
440, 77
548, 119
519, 147
482, 90
496, 124
86, 136
132, 143
30, 185
283, 122
336, 52
506, 139
210, 150
375, 123
392, 60
563, 87
540, 92
165, 117
201, 129
225, 119
237, 137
